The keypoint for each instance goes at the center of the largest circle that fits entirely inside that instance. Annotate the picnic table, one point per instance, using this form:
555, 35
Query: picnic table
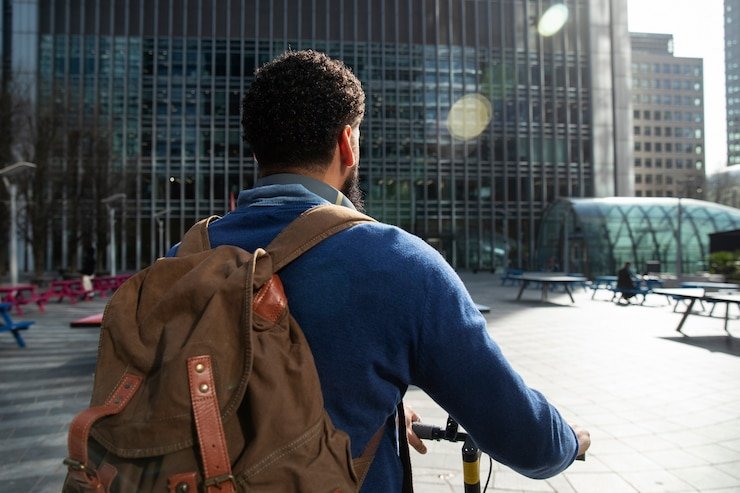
105, 285
66, 288
710, 286
94, 320
603, 282
692, 295
21, 294
547, 280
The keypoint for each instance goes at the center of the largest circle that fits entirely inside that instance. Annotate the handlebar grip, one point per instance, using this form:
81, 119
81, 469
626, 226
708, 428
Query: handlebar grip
428, 432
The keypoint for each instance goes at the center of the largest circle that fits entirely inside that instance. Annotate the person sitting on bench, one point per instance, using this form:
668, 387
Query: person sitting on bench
626, 284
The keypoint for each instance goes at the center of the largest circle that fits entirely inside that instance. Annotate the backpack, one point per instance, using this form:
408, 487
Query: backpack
205, 382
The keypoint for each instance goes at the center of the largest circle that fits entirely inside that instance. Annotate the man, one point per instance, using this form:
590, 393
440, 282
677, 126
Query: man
380, 308
625, 282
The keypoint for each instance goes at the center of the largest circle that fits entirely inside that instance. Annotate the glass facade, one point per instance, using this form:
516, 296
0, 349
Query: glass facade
596, 236
668, 119
164, 79
732, 79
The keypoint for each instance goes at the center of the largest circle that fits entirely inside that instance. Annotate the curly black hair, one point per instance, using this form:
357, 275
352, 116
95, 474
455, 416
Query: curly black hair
296, 107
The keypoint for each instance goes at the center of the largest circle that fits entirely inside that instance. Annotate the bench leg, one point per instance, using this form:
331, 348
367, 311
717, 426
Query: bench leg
18, 339
521, 290
570, 295
685, 315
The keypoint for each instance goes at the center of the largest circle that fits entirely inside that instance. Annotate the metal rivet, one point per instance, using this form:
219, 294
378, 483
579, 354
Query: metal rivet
127, 385
200, 367
182, 488
117, 401
203, 387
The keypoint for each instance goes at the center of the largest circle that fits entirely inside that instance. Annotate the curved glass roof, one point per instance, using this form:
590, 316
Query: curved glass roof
596, 236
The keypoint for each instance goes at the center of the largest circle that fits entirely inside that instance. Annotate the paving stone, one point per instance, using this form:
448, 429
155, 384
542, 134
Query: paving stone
662, 407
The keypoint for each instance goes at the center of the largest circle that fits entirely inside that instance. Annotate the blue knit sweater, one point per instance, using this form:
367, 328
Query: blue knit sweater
382, 310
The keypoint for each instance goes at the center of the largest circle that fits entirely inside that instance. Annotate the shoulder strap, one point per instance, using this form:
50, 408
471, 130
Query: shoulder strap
309, 229
196, 238
305, 232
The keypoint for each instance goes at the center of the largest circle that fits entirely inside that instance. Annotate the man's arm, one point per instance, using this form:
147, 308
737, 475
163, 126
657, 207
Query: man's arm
464, 370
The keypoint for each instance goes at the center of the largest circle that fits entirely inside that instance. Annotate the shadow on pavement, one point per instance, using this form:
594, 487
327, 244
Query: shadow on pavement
716, 344
539, 303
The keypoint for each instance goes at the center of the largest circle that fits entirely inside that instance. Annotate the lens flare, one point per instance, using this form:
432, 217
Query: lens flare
553, 20
469, 116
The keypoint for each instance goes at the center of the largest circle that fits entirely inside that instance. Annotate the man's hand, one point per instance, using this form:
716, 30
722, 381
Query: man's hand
414, 441
584, 441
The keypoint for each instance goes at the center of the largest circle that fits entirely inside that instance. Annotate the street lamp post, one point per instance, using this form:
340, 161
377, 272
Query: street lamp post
160, 230
112, 225
7, 174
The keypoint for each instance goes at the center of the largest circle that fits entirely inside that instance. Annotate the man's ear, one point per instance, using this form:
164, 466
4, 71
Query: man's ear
346, 153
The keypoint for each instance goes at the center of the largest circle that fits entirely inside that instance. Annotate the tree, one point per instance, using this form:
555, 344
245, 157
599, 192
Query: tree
73, 174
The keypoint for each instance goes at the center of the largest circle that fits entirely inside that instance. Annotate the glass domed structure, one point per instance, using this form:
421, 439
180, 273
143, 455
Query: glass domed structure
596, 236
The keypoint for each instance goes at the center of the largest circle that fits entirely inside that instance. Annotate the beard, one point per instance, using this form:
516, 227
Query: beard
352, 191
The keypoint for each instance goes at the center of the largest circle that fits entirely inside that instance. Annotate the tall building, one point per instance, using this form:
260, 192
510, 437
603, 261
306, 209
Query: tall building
162, 80
668, 119
732, 79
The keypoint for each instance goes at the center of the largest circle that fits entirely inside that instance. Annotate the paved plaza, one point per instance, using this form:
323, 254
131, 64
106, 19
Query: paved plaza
663, 409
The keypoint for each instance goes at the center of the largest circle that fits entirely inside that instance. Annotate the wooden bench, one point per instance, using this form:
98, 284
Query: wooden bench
8, 324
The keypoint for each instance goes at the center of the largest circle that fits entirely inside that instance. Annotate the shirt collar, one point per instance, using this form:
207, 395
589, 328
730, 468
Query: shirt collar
326, 192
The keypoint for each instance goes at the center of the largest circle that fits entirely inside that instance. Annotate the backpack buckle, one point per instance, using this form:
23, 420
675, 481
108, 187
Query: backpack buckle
218, 480
77, 465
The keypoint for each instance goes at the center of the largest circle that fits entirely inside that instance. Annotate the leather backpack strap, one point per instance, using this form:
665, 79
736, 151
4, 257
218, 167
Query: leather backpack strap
362, 463
309, 229
80, 471
217, 475
196, 238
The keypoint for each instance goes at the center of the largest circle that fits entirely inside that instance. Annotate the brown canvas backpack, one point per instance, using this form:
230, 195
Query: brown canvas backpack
205, 382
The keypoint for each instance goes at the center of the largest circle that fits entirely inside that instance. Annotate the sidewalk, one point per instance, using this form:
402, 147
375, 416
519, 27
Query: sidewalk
663, 410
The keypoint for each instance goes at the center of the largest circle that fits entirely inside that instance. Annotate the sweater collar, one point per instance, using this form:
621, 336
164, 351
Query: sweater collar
326, 192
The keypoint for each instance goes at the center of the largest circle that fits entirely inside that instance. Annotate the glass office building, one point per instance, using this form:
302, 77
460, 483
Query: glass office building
668, 117
732, 79
596, 236
163, 80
